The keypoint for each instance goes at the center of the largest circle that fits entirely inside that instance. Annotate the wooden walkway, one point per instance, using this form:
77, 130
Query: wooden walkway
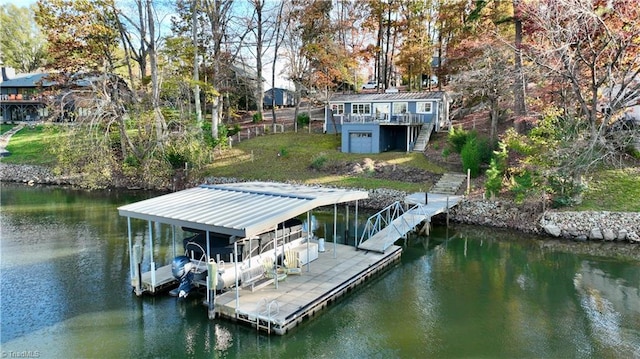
424, 206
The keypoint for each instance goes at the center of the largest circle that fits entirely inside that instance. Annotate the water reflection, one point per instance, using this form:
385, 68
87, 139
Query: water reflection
468, 292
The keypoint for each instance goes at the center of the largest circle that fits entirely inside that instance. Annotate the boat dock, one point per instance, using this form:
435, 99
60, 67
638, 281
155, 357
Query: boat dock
243, 289
301, 296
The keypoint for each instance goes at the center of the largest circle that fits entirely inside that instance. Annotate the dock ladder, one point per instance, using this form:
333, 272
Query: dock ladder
264, 314
390, 224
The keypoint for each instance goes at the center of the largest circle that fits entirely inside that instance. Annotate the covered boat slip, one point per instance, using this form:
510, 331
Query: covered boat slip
243, 212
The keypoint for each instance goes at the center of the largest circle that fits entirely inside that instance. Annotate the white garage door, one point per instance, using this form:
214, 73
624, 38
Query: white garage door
360, 142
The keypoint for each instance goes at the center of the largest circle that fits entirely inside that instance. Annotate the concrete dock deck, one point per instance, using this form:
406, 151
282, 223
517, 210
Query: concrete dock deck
301, 296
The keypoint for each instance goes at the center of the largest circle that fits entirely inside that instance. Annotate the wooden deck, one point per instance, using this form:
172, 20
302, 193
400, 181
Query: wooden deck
300, 296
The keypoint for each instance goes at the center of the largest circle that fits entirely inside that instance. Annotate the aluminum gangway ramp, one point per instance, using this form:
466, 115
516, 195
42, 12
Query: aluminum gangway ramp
394, 222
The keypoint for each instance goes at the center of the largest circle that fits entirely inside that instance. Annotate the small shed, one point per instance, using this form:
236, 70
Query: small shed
282, 97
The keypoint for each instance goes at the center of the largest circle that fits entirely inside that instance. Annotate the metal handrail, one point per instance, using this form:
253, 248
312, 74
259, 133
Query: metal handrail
386, 217
380, 220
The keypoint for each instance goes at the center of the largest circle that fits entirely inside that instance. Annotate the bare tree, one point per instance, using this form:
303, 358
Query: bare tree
593, 47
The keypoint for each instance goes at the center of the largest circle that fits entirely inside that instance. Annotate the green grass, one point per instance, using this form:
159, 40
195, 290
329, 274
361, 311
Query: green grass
288, 157
257, 159
31, 146
4, 128
614, 190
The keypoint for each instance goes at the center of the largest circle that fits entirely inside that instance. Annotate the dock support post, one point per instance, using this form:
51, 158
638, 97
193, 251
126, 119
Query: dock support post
447, 211
132, 261
335, 230
309, 230
212, 283
173, 236
355, 238
468, 181
346, 227
137, 257
153, 263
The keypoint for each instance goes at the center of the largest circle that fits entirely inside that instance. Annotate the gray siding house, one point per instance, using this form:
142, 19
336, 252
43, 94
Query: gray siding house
374, 123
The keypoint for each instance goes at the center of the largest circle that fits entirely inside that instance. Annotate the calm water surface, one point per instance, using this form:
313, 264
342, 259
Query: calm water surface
465, 292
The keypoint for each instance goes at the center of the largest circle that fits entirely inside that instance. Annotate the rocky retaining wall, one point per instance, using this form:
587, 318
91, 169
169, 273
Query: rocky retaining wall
580, 226
593, 225
378, 198
32, 175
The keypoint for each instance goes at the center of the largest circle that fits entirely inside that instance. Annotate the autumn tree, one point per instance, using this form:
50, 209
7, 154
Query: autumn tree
416, 50
296, 64
485, 79
591, 46
22, 44
330, 63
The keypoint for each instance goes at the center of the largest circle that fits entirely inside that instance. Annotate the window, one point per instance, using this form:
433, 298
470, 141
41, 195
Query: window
361, 108
360, 134
337, 108
400, 108
423, 107
381, 110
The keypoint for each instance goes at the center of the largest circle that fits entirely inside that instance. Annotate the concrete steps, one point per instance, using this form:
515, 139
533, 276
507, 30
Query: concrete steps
449, 183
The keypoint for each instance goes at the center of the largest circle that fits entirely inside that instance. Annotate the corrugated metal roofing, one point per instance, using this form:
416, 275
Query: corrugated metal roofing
241, 209
373, 97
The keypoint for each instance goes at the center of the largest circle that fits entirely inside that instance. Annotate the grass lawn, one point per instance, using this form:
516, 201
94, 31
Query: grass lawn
293, 157
290, 156
616, 190
4, 128
31, 146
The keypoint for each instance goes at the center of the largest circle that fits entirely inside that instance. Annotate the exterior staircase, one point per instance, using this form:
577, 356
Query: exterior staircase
449, 183
423, 137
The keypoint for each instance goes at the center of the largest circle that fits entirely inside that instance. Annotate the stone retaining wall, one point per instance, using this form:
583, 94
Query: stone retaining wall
580, 226
592, 225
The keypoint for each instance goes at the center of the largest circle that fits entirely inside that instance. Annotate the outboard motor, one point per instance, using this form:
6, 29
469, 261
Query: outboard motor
181, 267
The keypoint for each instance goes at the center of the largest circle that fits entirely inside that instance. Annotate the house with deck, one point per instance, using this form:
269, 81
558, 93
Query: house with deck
21, 96
380, 122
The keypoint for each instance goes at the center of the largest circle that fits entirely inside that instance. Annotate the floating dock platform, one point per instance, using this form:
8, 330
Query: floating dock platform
300, 296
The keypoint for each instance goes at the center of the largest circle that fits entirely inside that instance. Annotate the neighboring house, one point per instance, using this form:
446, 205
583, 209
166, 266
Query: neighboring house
282, 97
374, 123
21, 96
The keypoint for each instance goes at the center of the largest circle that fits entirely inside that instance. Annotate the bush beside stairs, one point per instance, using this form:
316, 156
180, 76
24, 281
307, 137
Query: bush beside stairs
449, 183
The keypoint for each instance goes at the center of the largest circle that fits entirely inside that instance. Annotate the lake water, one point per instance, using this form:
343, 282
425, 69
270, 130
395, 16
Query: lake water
463, 292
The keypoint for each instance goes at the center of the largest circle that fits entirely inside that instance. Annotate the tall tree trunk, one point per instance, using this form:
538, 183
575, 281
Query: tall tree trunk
277, 44
142, 61
196, 65
519, 105
260, 86
153, 61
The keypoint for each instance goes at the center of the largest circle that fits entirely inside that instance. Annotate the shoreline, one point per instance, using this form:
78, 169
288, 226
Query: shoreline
577, 226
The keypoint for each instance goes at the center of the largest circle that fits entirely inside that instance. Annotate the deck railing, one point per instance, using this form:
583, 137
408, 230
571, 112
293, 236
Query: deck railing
405, 118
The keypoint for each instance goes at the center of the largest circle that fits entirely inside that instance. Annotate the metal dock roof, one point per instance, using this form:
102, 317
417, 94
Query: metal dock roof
242, 209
